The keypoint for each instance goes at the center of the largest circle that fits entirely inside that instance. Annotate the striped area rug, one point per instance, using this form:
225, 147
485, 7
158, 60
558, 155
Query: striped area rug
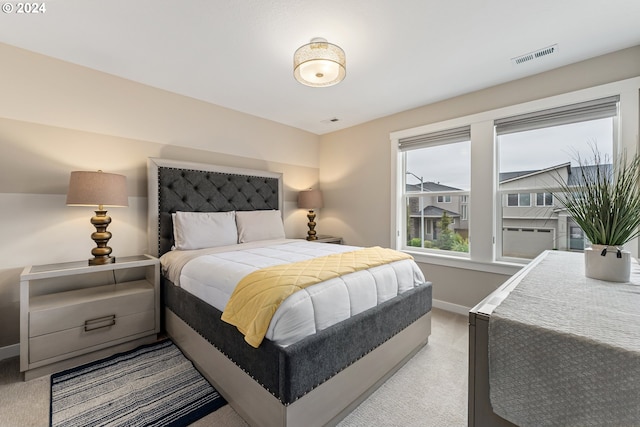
153, 385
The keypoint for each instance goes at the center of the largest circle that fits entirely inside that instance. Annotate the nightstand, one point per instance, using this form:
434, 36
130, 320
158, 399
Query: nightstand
329, 239
72, 313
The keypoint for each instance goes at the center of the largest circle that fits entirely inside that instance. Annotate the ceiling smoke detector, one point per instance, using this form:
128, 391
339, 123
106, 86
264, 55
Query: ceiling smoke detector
535, 55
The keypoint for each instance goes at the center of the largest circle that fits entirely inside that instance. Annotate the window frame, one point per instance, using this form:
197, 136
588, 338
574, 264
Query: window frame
483, 222
464, 208
570, 114
520, 196
544, 199
432, 140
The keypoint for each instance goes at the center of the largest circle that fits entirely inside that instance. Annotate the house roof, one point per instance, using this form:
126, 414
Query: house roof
436, 212
574, 173
431, 187
515, 175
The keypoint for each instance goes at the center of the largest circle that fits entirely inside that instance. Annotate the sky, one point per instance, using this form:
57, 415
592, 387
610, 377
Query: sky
447, 164
541, 148
530, 150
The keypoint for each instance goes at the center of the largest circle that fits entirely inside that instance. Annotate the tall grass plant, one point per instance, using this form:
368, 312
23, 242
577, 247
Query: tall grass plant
605, 201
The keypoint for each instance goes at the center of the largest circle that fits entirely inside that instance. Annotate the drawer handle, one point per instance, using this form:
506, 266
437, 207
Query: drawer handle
99, 323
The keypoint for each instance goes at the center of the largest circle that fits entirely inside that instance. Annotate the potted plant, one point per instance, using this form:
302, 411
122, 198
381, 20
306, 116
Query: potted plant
604, 200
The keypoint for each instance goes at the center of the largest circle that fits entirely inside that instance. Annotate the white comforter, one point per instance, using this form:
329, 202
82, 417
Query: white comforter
212, 274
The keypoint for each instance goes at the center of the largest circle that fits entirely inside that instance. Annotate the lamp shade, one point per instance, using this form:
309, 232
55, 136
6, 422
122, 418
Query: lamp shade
310, 199
97, 189
319, 64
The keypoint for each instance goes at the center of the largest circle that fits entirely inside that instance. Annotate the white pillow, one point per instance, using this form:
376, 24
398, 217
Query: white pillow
197, 230
259, 225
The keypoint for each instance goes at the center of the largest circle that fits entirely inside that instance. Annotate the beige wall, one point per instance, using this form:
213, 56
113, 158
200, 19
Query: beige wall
56, 117
357, 187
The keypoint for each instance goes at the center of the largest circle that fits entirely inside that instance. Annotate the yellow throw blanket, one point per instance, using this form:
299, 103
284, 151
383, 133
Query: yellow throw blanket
259, 294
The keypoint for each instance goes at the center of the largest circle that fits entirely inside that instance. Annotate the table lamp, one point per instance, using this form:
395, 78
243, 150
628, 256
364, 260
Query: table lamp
98, 189
310, 199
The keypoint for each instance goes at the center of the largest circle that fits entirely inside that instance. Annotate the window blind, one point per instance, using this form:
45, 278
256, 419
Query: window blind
574, 113
460, 134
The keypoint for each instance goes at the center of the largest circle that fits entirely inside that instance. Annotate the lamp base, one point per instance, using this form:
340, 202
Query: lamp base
311, 234
101, 236
102, 260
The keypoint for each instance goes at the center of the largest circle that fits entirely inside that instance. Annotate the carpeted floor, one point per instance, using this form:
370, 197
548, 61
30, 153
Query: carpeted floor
430, 390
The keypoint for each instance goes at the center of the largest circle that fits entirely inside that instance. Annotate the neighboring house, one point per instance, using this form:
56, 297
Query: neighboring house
532, 219
430, 213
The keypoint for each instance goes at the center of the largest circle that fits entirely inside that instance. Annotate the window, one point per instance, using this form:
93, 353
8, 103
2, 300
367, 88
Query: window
518, 199
436, 170
535, 150
544, 199
464, 208
503, 234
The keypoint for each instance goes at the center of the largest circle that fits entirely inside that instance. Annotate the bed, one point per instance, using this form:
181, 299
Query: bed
314, 380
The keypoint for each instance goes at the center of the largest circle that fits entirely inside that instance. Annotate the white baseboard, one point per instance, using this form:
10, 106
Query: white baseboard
454, 308
9, 351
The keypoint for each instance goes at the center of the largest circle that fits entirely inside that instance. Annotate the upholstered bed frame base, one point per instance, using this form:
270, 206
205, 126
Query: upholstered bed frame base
327, 404
289, 373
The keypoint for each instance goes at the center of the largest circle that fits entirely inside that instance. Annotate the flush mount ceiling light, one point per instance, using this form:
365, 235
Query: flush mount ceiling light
319, 63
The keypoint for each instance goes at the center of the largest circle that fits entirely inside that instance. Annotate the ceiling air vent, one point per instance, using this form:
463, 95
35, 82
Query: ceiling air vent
331, 120
535, 55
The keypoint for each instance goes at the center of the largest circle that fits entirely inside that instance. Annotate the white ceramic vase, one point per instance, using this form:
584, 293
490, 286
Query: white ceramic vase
609, 267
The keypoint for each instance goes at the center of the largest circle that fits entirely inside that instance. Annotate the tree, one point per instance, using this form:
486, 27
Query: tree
445, 238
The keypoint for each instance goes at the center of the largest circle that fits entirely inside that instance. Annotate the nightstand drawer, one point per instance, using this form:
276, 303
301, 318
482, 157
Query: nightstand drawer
68, 310
70, 321
101, 331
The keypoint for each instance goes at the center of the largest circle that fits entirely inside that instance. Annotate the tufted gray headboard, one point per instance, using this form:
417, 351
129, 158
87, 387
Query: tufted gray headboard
195, 187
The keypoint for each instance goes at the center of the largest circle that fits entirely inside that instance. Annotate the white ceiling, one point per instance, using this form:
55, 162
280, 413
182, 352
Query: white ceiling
401, 54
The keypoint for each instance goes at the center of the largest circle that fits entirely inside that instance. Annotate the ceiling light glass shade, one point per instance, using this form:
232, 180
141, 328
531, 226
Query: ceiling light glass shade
319, 64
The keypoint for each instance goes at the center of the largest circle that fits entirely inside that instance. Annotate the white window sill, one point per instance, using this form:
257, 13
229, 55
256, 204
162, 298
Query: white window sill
497, 267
